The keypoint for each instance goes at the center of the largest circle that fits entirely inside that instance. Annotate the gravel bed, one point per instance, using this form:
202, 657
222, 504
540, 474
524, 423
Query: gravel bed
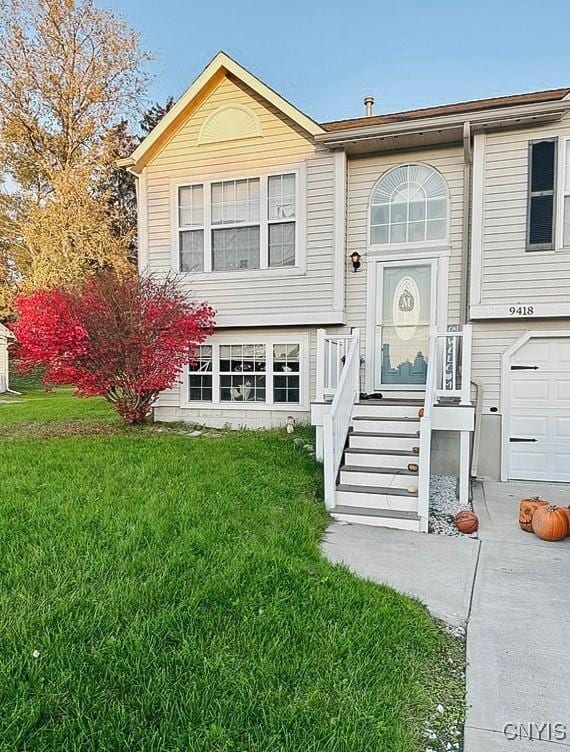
444, 505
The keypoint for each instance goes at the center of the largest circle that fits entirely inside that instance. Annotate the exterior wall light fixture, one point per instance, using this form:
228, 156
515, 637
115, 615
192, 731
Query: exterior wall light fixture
355, 258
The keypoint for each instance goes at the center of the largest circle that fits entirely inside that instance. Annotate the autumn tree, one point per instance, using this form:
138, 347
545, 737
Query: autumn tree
69, 74
126, 339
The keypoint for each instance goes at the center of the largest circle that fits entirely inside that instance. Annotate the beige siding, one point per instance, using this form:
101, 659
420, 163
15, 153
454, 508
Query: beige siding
510, 273
3, 363
490, 340
363, 174
282, 146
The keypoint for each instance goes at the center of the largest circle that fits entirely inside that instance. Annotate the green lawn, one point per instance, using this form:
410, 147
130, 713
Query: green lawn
174, 592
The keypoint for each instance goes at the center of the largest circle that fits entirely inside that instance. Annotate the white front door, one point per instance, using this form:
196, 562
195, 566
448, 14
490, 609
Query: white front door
538, 440
404, 320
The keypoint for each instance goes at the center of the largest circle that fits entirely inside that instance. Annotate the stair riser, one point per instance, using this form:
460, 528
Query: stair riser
377, 501
385, 411
380, 480
413, 525
378, 460
387, 426
412, 394
384, 442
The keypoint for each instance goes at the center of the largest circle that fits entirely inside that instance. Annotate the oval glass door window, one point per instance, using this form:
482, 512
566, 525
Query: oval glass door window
406, 308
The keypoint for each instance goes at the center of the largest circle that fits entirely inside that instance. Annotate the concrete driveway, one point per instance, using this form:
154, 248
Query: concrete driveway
518, 678
513, 592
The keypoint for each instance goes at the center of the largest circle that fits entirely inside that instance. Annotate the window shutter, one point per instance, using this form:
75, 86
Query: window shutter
541, 195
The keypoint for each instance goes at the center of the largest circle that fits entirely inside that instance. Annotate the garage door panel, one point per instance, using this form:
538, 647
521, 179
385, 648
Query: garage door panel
524, 390
540, 411
529, 425
562, 390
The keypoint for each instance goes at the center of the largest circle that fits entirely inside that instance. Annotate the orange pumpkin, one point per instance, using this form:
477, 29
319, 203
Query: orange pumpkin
566, 511
527, 508
466, 522
421, 412
550, 523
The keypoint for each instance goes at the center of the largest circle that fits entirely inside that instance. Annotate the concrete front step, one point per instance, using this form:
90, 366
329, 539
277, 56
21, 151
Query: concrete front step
386, 424
372, 497
393, 409
369, 440
377, 517
378, 458
357, 475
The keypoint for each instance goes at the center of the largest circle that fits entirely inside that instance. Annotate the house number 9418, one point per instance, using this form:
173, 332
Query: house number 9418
521, 310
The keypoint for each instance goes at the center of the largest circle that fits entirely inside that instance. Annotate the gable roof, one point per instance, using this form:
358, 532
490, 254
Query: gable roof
475, 105
220, 63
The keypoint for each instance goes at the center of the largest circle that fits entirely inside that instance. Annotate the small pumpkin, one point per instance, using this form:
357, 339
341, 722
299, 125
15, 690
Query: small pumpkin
466, 522
527, 508
550, 523
421, 412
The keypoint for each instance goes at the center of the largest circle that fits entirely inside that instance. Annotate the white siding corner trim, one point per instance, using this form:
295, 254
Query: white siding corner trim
142, 219
479, 145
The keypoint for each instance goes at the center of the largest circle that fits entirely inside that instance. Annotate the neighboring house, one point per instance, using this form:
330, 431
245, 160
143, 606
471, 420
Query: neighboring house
5, 338
375, 255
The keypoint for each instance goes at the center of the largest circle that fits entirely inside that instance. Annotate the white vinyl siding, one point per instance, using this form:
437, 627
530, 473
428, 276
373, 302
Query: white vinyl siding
508, 274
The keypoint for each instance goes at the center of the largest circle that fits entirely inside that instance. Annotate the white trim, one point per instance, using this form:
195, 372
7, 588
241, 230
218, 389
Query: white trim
339, 253
281, 319
505, 405
142, 219
563, 141
439, 289
399, 247
230, 106
223, 62
501, 311
268, 340
299, 269
477, 217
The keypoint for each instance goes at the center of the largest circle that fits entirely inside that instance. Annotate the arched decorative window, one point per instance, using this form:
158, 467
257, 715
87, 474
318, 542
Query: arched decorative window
409, 205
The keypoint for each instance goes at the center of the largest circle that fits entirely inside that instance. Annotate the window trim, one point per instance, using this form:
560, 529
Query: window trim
562, 144
416, 244
254, 339
529, 248
299, 268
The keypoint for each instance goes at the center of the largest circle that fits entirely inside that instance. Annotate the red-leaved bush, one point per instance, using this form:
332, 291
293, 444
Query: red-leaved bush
125, 339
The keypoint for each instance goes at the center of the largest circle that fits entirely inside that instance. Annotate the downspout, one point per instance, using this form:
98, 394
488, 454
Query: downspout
465, 260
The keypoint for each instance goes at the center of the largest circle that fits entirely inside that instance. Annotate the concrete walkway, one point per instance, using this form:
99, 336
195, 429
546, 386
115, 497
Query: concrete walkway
512, 589
517, 639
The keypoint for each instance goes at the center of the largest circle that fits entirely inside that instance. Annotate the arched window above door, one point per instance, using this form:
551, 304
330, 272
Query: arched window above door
409, 204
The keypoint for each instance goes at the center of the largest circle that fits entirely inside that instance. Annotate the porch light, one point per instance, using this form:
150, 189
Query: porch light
355, 258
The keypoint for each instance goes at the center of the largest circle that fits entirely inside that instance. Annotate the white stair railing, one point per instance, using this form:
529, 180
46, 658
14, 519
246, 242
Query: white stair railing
452, 353
332, 350
337, 421
424, 473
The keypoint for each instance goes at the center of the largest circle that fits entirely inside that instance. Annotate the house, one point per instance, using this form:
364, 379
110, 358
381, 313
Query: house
400, 280
5, 337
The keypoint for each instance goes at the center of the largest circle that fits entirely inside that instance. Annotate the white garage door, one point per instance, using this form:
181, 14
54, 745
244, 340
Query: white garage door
539, 435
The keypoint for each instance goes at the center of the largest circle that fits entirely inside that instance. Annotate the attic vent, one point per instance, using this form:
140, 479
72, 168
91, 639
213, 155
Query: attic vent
229, 123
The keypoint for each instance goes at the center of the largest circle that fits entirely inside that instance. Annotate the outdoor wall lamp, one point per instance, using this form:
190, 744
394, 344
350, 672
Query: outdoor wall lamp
355, 258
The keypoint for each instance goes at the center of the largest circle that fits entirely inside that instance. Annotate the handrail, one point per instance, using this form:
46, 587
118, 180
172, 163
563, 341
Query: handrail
424, 473
337, 421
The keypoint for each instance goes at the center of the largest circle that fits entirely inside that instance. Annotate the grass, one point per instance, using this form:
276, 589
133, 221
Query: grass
174, 592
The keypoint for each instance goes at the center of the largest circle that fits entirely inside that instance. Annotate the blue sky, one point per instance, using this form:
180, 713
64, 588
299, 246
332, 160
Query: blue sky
325, 57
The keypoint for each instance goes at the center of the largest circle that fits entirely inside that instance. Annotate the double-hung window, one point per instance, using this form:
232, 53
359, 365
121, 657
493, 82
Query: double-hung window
541, 214
237, 225
260, 373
